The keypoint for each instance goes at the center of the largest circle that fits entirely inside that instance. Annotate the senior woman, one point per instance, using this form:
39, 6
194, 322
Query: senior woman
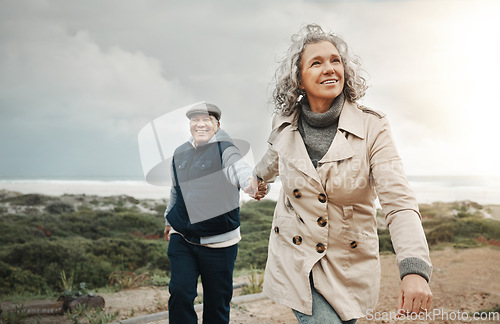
334, 157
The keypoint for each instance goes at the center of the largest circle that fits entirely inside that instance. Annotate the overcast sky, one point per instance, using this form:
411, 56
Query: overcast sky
78, 80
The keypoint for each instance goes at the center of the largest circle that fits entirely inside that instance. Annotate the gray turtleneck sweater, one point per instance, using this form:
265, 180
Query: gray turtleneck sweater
318, 129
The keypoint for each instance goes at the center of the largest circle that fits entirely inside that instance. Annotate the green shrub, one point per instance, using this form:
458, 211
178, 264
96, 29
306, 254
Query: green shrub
470, 228
28, 200
256, 220
128, 279
441, 234
91, 315
47, 259
59, 208
160, 280
465, 243
16, 316
255, 281
158, 257
384, 241
463, 232
13, 232
14, 280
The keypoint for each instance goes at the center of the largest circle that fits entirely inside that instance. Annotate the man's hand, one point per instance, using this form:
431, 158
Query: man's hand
256, 189
167, 230
415, 295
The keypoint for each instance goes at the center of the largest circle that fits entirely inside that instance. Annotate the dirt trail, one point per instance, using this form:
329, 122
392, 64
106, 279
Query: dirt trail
464, 281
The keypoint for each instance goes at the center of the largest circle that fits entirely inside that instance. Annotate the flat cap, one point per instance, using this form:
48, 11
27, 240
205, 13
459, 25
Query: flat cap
204, 108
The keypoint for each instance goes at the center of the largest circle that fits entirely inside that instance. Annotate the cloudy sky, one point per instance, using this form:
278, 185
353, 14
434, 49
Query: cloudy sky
78, 80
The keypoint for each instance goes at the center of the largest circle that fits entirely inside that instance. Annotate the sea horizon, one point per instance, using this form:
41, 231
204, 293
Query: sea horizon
428, 188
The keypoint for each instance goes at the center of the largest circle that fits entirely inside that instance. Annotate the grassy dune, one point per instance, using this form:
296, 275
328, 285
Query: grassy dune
117, 242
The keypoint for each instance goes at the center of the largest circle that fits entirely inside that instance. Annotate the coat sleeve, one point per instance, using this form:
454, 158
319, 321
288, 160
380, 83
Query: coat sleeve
268, 167
398, 202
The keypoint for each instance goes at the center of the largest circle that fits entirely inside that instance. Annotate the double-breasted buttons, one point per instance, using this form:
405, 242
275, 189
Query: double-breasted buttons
354, 244
276, 229
320, 248
297, 239
322, 198
321, 221
297, 193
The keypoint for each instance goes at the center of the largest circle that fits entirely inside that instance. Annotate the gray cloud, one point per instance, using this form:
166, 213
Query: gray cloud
79, 79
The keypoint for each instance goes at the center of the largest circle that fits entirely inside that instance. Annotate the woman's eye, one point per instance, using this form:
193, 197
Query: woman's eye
315, 63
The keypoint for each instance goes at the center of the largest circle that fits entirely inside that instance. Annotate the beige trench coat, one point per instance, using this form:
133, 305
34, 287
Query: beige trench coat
325, 221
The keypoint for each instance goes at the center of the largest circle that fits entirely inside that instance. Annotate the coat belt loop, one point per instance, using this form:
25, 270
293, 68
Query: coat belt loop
348, 212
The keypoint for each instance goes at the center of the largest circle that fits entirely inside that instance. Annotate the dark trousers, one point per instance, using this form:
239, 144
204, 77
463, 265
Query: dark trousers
215, 266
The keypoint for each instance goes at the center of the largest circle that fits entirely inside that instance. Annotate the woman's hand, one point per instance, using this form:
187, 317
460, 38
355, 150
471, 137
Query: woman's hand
415, 295
256, 189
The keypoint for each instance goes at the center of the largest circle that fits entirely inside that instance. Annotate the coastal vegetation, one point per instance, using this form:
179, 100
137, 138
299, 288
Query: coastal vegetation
50, 245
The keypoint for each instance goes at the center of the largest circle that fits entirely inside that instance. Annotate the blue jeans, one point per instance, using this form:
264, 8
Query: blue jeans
322, 311
215, 266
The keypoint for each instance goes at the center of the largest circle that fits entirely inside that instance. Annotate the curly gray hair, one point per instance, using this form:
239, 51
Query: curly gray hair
288, 78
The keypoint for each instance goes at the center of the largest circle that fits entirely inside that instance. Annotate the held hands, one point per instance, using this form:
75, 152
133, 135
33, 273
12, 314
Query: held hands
257, 189
414, 296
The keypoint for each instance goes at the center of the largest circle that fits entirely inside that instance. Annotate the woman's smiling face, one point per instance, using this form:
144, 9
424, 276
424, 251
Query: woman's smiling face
322, 74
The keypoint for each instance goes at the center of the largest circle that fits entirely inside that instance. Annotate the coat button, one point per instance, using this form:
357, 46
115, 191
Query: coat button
322, 198
276, 230
320, 248
321, 221
354, 244
297, 239
297, 193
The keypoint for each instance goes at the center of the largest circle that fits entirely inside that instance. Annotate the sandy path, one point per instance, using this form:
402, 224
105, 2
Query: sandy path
464, 281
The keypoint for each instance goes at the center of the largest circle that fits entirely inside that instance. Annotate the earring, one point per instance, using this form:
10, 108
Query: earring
301, 96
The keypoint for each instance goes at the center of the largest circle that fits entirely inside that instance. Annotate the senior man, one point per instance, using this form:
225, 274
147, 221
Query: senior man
202, 218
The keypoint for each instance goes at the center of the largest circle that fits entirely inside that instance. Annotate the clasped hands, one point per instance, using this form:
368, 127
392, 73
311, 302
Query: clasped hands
257, 189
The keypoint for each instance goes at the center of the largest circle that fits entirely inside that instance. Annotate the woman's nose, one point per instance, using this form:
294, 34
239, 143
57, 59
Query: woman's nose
328, 69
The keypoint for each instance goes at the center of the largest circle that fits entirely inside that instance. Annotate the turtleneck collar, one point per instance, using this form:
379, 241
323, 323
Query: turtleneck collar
323, 119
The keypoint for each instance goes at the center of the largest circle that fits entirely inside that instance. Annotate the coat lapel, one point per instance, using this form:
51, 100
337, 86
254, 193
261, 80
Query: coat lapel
339, 150
290, 145
350, 122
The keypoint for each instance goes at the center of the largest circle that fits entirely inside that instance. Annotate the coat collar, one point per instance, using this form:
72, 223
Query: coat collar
287, 140
350, 120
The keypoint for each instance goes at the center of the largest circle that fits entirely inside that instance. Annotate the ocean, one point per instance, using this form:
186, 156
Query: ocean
428, 189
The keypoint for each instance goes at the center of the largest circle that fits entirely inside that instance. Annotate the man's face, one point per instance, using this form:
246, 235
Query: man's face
202, 128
